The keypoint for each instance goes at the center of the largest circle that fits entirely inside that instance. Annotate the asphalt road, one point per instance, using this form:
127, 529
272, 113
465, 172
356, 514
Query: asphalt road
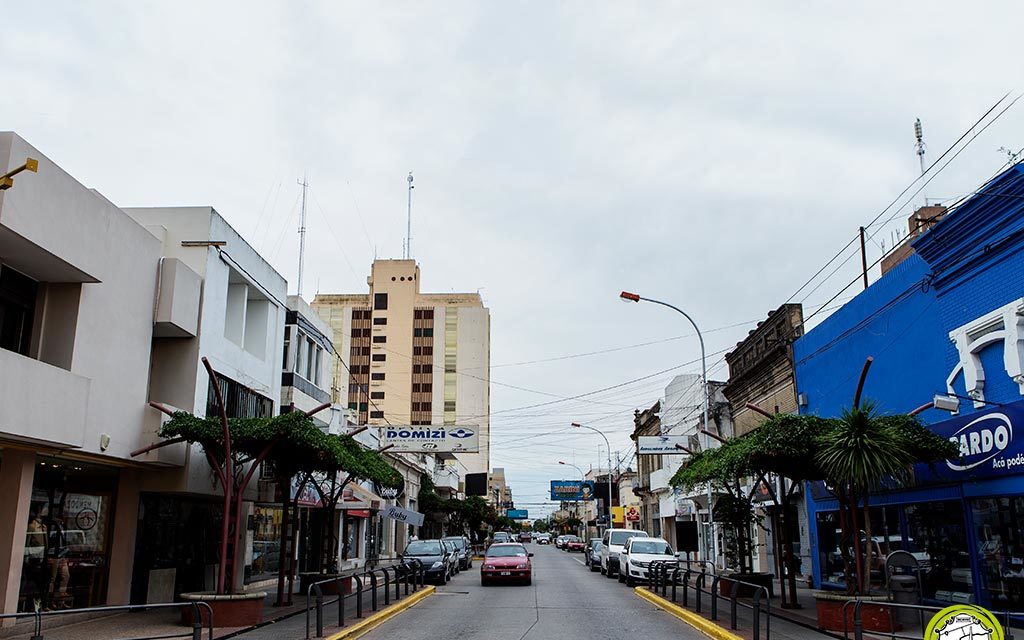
566, 601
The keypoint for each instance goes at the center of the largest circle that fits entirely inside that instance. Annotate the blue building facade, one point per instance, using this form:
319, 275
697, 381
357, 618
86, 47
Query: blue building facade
948, 320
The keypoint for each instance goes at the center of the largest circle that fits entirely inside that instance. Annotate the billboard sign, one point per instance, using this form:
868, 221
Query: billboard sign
518, 514
572, 490
660, 445
618, 516
431, 438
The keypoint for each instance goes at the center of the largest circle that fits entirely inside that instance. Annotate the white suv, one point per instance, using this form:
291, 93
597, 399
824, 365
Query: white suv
637, 556
611, 547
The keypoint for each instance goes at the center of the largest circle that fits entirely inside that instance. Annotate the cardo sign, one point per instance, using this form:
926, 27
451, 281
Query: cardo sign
430, 438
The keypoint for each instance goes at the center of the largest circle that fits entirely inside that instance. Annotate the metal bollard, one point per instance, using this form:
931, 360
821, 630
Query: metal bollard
675, 581
858, 626
359, 596
319, 611
373, 589
341, 602
757, 612
398, 584
732, 603
387, 587
698, 588
197, 622
713, 595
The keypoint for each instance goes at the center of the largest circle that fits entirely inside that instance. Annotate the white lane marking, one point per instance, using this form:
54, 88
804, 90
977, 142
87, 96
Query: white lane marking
580, 561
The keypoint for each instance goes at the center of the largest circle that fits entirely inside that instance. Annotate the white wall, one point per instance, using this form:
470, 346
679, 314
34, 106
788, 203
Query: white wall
113, 329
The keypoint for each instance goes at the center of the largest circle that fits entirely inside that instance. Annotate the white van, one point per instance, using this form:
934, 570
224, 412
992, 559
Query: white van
611, 547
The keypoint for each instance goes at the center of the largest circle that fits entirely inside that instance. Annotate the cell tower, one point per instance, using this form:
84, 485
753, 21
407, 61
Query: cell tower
302, 234
408, 222
919, 144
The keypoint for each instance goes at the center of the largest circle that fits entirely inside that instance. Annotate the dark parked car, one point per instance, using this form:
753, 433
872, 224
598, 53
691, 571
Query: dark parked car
501, 537
592, 555
437, 558
506, 563
525, 536
462, 549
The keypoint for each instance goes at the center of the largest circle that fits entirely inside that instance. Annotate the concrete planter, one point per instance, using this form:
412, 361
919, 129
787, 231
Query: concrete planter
237, 610
331, 588
875, 615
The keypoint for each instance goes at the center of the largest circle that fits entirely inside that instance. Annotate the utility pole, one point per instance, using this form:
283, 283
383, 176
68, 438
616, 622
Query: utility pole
302, 232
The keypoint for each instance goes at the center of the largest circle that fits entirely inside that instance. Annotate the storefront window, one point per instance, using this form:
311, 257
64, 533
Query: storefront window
936, 537
885, 538
999, 530
67, 538
266, 542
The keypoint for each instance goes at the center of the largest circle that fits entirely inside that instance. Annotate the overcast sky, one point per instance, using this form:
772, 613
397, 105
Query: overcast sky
562, 152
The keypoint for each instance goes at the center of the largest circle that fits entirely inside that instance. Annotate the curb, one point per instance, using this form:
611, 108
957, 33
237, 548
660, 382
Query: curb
367, 624
699, 623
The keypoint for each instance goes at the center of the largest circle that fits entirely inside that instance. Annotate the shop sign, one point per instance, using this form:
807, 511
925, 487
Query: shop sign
430, 439
404, 515
390, 493
518, 514
683, 508
988, 446
632, 514
618, 515
661, 445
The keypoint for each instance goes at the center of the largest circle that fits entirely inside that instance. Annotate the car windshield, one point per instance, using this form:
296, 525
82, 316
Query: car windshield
620, 537
423, 548
458, 543
652, 547
571, 538
506, 551
595, 544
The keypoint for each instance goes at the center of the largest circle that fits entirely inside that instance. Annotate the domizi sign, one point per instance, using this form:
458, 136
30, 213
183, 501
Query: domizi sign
431, 438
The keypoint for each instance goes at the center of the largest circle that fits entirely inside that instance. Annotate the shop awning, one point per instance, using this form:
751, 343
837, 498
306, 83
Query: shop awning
357, 513
359, 497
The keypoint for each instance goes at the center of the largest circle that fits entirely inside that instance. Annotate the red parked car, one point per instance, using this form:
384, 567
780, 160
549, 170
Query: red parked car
506, 562
572, 543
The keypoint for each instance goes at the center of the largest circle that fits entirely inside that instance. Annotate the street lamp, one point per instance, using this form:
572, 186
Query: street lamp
583, 479
627, 296
607, 446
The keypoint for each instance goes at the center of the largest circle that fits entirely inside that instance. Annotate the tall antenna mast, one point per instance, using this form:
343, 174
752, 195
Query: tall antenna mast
302, 232
919, 144
408, 222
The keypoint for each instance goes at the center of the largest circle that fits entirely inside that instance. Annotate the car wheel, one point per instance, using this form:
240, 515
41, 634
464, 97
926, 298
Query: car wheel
484, 583
608, 573
630, 582
593, 568
621, 577
528, 581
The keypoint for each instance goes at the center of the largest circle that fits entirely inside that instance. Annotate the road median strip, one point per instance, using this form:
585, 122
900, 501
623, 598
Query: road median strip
367, 624
696, 621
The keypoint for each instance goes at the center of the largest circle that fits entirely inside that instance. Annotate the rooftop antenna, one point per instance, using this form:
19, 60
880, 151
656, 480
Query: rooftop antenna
919, 149
408, 221
302, 232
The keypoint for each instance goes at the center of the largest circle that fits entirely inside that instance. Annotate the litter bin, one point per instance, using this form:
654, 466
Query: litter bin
904, 591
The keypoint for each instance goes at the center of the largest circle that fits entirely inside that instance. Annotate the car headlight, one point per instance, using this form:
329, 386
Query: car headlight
490, 567
521, 566
437, 565
633, 562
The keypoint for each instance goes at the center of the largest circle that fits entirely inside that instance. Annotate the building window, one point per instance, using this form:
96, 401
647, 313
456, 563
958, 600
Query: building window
449, 405
239, 400
380, 321
365, 351
376, 414
425, 406
428, 314
427, 387
380, 339
417, 351
17, 304
380, 301
376, 395
415, 406
378, 357
428, 332
376, 376
417, 368
417, 332
428, 351
416, 387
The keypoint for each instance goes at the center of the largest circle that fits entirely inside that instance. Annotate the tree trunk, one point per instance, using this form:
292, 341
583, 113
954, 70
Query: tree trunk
858, 554
284, 488
866, 585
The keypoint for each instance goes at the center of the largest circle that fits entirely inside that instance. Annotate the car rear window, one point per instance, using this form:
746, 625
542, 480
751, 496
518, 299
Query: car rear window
620, 537
506, 551
423, 548
656, 548
458, 543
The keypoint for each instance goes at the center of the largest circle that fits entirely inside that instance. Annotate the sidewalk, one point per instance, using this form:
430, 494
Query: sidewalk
279, 623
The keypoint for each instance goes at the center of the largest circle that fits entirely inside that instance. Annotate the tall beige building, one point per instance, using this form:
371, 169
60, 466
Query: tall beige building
412, 358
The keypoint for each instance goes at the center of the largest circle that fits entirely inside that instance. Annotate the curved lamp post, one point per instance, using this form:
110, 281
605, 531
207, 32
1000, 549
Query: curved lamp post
607, 446
583, 479
627, 296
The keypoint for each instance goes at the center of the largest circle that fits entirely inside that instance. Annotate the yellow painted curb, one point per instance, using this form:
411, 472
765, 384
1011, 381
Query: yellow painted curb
365, 625
699, 623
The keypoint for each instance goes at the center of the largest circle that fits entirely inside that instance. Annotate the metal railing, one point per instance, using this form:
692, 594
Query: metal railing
411, 574
195, 632
663, 575
924, 613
